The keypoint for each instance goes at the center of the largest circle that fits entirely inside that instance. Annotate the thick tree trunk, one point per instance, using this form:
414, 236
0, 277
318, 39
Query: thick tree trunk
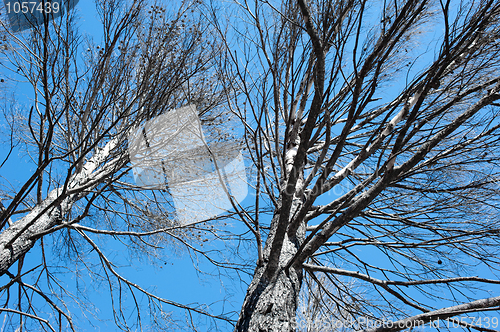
271, 300
19, 238
270, 305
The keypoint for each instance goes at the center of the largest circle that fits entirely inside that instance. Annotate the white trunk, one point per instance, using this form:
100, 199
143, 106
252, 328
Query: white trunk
20, 237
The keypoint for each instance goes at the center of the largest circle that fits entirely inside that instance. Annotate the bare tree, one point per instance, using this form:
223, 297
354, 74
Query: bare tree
372, 137
372, 130
85, 99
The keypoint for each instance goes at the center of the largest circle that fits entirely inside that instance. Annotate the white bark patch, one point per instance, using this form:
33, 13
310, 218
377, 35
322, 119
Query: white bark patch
21, 234
391, 162
290, 157
401, 114
95, 161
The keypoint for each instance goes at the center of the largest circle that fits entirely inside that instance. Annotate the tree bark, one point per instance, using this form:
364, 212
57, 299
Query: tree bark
19, 238
270, 305
272, 297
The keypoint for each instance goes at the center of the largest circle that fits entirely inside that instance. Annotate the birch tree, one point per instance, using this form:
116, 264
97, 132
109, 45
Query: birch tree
373, 133
70, 103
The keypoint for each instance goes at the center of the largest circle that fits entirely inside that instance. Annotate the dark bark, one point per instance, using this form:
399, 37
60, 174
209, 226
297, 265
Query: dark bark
270, 305
272, 297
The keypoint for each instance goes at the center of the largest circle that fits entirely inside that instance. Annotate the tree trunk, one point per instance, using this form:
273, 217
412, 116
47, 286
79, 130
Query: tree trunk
271, 300
270, 305
19, 238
